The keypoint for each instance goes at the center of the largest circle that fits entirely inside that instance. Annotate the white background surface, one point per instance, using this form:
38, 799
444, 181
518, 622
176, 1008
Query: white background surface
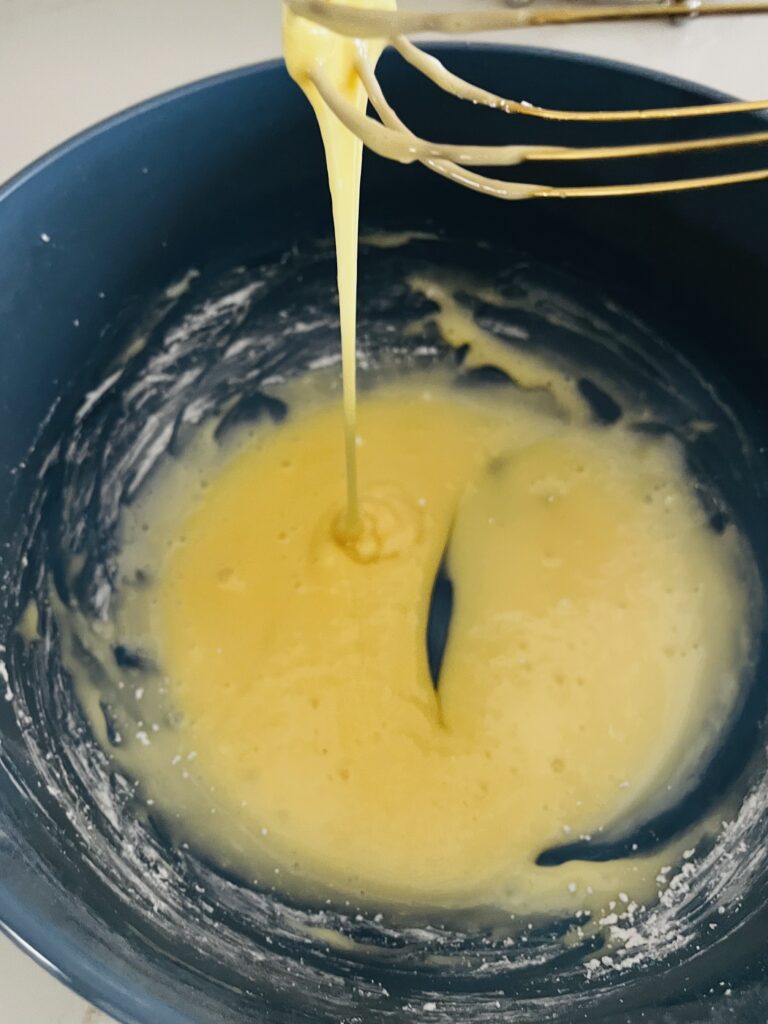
65, 64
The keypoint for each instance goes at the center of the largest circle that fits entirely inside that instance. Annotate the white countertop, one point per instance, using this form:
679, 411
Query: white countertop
65, 64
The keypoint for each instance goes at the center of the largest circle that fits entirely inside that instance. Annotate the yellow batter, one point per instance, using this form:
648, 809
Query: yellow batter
596, 618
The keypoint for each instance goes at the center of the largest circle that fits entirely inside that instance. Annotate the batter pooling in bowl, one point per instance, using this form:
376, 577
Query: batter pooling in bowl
291, 726
596, 619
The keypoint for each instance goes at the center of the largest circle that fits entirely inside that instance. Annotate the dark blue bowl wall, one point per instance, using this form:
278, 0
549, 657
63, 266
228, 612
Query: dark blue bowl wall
217, 172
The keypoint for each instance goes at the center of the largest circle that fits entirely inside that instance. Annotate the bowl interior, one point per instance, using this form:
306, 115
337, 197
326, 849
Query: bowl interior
228, 174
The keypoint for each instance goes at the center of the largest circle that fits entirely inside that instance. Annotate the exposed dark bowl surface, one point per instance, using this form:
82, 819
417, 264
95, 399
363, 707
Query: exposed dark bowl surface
226, 177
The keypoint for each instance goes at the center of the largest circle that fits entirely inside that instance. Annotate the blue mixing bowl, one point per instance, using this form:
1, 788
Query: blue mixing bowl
226, 177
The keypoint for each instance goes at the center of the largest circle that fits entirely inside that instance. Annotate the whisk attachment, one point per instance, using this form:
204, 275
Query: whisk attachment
390, 137
367, 23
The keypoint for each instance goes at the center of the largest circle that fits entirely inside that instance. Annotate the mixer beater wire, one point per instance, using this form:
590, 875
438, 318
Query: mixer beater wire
390, 137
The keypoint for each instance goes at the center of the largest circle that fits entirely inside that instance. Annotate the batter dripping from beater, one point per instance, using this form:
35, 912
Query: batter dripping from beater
309, 48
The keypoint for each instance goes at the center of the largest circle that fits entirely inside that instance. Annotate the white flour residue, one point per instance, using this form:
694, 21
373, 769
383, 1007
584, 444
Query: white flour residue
180, 287
4, 677
698, 894
93, 396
